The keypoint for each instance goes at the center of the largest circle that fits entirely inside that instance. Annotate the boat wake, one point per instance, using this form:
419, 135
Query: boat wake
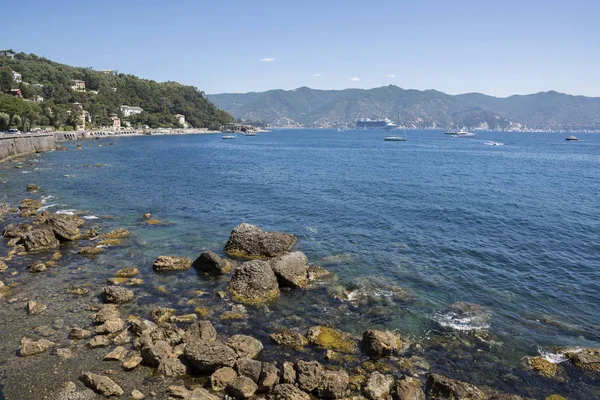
491, 143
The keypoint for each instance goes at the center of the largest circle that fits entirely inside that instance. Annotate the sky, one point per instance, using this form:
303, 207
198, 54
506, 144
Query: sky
496, 47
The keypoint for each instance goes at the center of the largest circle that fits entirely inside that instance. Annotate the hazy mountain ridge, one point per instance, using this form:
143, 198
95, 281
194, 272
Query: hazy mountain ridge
415, 108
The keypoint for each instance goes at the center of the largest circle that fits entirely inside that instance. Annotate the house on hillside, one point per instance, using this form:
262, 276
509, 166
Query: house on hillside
116, 121
38, 98
181, 120
78, 85
107, 71
16, 92
128, 111
7, 54
17, 77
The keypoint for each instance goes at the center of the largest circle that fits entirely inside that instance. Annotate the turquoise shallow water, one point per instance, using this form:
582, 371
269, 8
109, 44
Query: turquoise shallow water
513, 228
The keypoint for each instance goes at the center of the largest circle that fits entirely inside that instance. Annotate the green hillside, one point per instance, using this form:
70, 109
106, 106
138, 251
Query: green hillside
48, 86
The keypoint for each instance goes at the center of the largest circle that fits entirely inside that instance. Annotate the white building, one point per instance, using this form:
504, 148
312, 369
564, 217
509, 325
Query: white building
38, 98
78, 85
128, 111
17, 77
181, 120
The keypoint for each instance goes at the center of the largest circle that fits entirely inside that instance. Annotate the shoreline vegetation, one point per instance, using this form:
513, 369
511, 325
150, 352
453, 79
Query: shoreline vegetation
95, 339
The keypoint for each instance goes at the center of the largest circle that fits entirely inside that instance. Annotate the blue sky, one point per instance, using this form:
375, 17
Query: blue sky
494, 47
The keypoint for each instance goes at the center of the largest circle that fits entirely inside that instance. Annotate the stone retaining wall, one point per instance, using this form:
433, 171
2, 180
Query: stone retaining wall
16, 145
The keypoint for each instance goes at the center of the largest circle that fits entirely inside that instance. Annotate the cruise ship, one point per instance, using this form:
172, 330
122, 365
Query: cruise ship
375, 124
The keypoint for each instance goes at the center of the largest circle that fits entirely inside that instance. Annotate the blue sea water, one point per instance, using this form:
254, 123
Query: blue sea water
513, 228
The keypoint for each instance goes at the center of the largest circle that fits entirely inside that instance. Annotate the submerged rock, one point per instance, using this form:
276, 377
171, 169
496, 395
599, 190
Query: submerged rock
128, 272
332, 339
291, 269
212, 263
32, 188
90, 251
465, 316
30, 347
254, 282
369, 290
441, 387
289, 337
36, 266
116, 294
119, 233
172, 263
101, 384
248, 241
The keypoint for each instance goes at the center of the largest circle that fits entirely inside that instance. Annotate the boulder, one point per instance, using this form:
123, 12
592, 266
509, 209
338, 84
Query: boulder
587, 358
29, 207
269, 377
333, 385
213, 264
378, 386
172, 263
245, 346
171, 366
153, 352
140, 325
78, 333
65, 227
15, 231
380, 343
441, 387
30, 347
409, 388
116, 294
287, 391
111, 326
98, 341
202, 330
316, 272
40, 238
242, 387
541, 366
289, 337
3, 266
221, 378
133, 362
104, 313
41, 218
118, 354
254, 282
119, 233
162, 314
170, 333
90, 251
208, 356
291, 269
32, 188
310, 375
248, 367
288, 372
248, 241
332, 339
101, 384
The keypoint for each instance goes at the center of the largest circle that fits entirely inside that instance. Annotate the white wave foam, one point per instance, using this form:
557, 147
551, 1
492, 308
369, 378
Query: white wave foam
25, 172
67, 212
553, 356
46, 198
90, 217
462, 323
47, 206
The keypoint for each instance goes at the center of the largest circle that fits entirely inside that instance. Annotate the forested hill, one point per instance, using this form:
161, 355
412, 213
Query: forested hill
414, 108
50, 85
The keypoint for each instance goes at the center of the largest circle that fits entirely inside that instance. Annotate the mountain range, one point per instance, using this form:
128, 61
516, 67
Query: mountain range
414, 108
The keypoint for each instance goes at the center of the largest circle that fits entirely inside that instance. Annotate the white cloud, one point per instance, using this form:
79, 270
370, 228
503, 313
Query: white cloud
391, 76
267, 59
355, 79
317, 74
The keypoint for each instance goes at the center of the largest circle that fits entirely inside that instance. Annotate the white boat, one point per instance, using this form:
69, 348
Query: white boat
462, 133
249, 133
395, 139
375, 124
571, 138
229, 136
492, 143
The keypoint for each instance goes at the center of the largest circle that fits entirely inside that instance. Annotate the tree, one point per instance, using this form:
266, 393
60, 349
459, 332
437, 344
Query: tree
12, 106
6, 79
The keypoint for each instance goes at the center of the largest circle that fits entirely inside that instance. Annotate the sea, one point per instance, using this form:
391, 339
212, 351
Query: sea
483, 253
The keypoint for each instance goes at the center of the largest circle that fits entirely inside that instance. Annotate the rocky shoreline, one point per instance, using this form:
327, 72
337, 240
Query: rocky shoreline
94, 342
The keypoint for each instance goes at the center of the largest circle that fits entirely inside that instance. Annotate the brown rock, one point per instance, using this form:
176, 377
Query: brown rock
29, 207
287, 391
172, 263
36, 266
380, 343
78, 333
288, 374
254, 282
289, 337
242, 387
248, 241
128, 272
212, 263
65, 227
441, 387
116, 294
30, 347
248, 367
291, 269
378, 386
409, 388
162, 314
120, 233
98, 341
310, 375
586, 358
171, 366
333, 385
245, 346
35, 307
90, 251
118, 354
133, 362
203, 331
40, 238
101, 384
221, 378
269, 377
208, 356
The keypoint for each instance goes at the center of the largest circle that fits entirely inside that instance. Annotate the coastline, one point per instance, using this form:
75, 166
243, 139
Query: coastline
34, 286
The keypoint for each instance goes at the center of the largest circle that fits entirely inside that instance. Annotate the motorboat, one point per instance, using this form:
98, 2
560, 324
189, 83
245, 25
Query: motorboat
570, 138
395, 138
229, 136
